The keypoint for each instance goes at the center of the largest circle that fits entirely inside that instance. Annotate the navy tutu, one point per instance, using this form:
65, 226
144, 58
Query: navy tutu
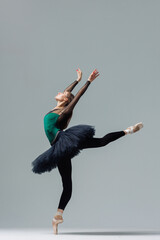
68, 144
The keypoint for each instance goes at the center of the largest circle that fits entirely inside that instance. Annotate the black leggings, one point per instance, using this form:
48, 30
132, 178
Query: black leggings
65, 166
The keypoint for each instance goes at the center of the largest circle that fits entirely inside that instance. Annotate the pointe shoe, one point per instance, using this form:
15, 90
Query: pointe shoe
55, 221
135, 128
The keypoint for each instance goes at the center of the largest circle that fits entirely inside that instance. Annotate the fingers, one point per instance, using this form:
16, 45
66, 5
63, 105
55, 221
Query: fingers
78, 70
95, 73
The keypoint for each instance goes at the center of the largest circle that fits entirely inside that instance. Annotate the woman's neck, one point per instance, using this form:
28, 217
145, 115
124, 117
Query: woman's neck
60, 105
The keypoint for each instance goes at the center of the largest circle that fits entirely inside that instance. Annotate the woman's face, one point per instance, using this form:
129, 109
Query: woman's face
61, 96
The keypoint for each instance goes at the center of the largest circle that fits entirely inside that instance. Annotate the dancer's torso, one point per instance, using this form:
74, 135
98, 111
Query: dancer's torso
51, 125
58, 119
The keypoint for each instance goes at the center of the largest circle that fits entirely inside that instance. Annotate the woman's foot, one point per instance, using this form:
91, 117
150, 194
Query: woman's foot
55, 221
133, 129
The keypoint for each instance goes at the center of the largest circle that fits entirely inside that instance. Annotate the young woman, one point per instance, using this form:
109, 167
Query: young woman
67, 144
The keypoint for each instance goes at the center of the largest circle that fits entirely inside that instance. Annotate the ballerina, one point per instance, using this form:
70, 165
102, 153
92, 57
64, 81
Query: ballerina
67, 144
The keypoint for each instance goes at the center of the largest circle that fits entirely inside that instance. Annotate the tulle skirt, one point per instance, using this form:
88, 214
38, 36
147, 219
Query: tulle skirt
68, 144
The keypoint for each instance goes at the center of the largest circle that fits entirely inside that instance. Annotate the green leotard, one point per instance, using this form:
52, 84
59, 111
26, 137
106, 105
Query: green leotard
50, 126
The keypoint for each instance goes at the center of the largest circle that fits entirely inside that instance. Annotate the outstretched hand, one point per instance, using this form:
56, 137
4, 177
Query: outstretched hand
79, 73
93, 75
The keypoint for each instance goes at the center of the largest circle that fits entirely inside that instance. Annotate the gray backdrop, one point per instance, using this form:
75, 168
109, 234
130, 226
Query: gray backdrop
42, 44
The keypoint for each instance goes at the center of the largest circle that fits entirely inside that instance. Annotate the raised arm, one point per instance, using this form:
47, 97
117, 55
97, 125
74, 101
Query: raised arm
67, 112
72, 85
72, 104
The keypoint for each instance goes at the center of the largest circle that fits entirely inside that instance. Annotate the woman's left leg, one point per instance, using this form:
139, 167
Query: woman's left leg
110, 137
103, 141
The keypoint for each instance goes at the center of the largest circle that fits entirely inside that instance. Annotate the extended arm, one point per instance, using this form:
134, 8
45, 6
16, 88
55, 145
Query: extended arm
72, 104
68, 110
71, 86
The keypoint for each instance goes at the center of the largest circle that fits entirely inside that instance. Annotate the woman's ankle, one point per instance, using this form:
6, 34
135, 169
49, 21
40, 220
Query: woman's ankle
60, 210
125, 132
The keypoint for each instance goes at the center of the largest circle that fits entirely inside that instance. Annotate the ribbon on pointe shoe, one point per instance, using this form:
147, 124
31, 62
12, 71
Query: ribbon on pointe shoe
129, 129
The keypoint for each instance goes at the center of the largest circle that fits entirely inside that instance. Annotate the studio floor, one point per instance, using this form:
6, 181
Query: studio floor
47, 234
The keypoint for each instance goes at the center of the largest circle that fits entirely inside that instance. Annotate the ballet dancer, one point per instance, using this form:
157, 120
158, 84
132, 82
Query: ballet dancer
67, 144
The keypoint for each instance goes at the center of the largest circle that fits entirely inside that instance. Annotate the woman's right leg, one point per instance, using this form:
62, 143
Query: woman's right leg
65, 170
103, 141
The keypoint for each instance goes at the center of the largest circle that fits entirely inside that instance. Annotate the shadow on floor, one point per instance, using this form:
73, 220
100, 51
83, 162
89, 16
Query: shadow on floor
112, 233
